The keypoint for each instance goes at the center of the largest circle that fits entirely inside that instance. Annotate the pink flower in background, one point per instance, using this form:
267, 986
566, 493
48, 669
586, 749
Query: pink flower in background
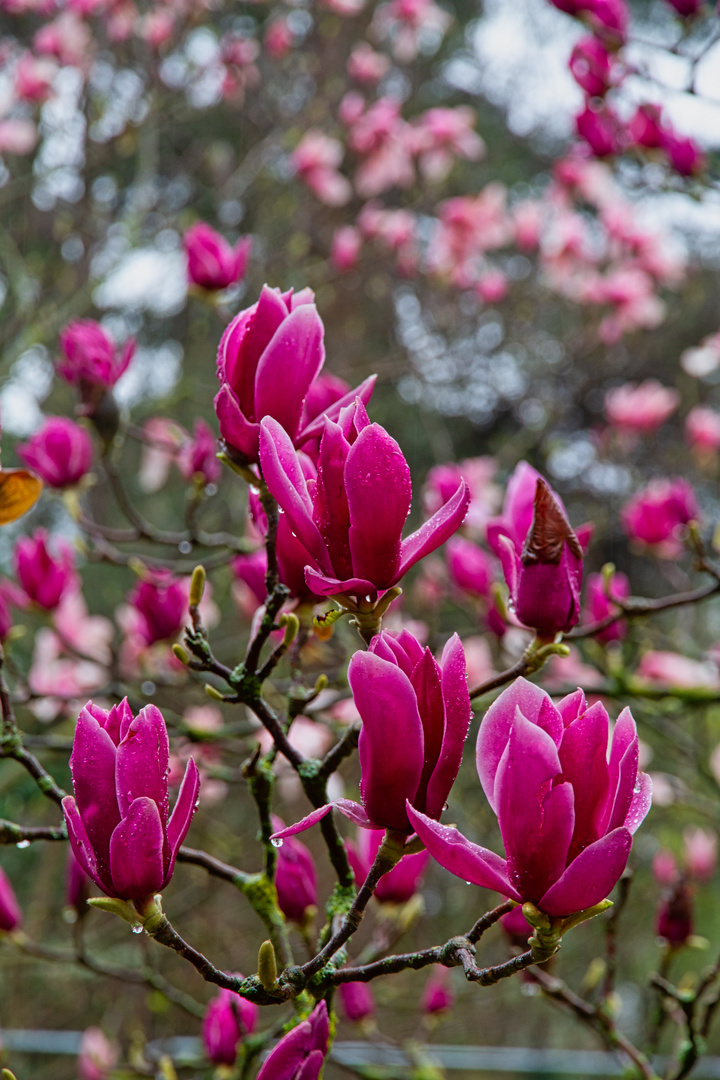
600, 128
492, 286
10, 913
212, 263
404, 21
45, 578
686, 8
441, 135
34, 78
384, 141
479, 474
674, 669
119, 822
300, 1054
346, 247
438, 996
97, 1055
66, 38
18, 136
591, 66
160, 602
351, 524
295, 878
599, 605
278, 39
700, 852
227, 1020
702, 429
684, 154
655, 515
90, 355
401, 883
317, 159
367, 66
646, 127
61, 452
641, 406
197, 455
566, 812
356, 1001
471, 568
238, 55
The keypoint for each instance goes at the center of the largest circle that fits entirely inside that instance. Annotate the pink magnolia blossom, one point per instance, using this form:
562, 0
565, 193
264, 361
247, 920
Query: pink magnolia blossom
702, 429
544, 579
90, 355
97, 1055
18, 136
479, 474
492, 287
385, 142
238, 55
212, 263
367, 66
268, 358
686, 8
34, 78
700, 848
438, 996
401, 883
300, 1054
66, 38
356, 1001
403, 21
641, 406
159, 602
430, 706
599, 605
674, 669
591, 66
441, 135
60, 452
566, 811
44, 578
119, 821
317, 159
197, 455
646, 127
346, 247
471, 568
10, 913
350, 521
518, 510
653, 517
467, 227
227, 1020
278, 39
600, 128
684, 154
295, 878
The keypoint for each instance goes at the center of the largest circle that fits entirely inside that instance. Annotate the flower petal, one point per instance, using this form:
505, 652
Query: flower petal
182, 814
590, 877
435, 531
136, 852
458, 714
143, 758
461, 857
288, 365
379, 492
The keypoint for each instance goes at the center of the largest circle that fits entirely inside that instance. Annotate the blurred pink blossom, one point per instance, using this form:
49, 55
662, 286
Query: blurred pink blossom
317, 159
641, 407
367, 66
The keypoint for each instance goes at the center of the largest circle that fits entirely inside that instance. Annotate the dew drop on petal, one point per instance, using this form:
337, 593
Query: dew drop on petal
277, 842
23, 844
137, 929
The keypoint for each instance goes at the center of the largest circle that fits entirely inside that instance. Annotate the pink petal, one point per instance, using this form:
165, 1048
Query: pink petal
462, 858
82, 848
379, 492
290, 362
535, 705
326, 585
142, 762
179, 823
641, 801
583, 757
458, 714
590, 877
391, 754
284, 477
363, 391
136, 852
235, 428
436, 531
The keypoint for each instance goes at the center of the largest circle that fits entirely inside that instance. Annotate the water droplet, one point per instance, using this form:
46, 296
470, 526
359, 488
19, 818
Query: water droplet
23, 844
468, 882
137, 928
445, 806
277, 841
636, 789
184, 547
